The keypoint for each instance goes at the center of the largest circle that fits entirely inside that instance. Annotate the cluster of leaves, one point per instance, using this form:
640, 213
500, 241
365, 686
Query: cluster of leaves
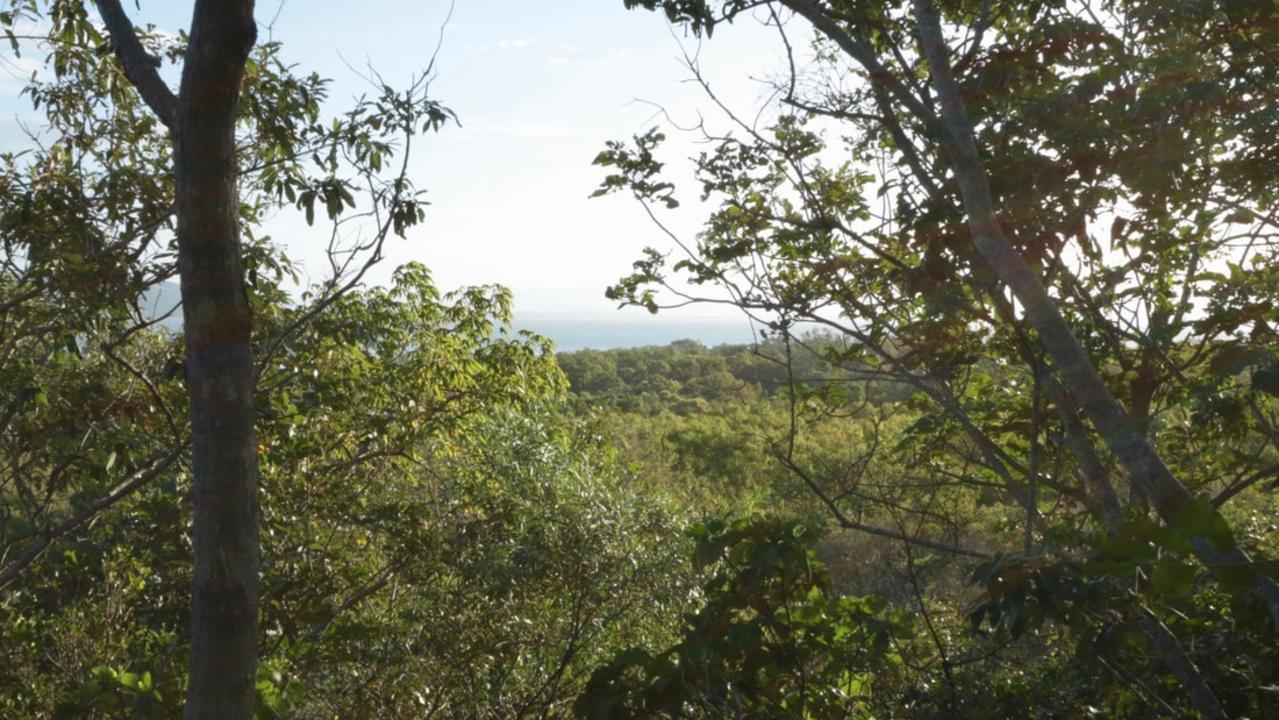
1113, 605
770, 639
424, 503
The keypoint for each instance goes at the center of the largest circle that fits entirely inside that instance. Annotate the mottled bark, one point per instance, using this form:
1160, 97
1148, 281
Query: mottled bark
220, 373
218, 326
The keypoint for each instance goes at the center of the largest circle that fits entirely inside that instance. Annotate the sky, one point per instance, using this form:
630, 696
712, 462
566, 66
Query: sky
538, 88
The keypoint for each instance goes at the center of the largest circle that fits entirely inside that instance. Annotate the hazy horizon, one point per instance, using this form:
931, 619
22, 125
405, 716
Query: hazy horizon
591, 329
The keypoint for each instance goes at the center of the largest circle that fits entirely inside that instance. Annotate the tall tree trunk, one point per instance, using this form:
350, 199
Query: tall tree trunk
220, 377
218, 326
1122, 435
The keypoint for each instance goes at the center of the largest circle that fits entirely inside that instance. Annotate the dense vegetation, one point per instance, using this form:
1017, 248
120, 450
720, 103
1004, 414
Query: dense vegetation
1007, 446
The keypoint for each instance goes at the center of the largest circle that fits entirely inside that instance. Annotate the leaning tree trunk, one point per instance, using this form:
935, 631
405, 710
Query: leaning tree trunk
220, 377
218, 324
1124, 438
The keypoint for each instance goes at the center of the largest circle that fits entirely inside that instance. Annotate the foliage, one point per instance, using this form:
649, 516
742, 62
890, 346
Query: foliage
457, 523
770, 640
1121, 150
419, 499
421, 491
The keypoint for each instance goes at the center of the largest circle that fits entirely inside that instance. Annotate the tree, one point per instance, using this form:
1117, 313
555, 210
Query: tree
987, 281
218, 326
436, 533
90, 238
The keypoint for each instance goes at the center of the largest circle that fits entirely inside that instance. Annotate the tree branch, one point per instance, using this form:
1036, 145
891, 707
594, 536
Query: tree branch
1125, 439
860, 51
45, 537
139, 66
849, 524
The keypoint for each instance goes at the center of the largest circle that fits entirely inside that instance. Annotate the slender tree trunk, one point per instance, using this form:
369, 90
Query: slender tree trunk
1097, 486
1175, 659
1122, 435
220, 376
1102, 494
218, 327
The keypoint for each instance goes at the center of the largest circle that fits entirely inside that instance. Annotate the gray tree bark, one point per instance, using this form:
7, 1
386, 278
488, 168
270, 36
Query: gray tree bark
220, 372
218, 326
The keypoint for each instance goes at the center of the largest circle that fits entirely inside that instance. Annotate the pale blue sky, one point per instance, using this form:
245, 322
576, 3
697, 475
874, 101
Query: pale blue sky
539, 87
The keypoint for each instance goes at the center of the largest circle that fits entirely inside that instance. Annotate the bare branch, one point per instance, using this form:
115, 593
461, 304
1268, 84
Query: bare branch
860, 50
847, 523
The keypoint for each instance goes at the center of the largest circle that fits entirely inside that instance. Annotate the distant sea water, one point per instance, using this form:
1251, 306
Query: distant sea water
599, 333
568, 332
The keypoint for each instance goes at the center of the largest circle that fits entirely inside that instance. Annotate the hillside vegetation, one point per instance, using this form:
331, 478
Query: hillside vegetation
1007, 447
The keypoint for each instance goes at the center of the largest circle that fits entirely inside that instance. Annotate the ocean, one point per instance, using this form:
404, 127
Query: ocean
569, 332
602, 333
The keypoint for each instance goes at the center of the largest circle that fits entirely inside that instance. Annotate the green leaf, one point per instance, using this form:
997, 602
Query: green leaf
1198, 518
1172, 577
1234, 358
1266, 380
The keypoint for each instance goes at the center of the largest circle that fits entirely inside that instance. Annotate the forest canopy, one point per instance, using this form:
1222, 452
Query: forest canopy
1005, 445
